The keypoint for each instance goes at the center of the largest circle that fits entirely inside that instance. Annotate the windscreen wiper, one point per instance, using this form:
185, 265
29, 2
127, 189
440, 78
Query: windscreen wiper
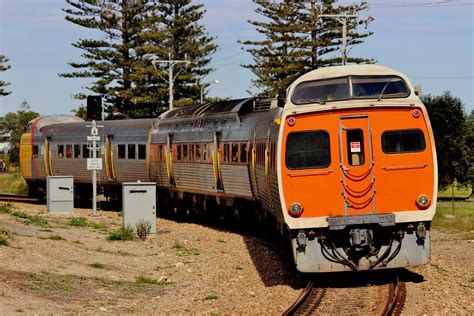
383, 90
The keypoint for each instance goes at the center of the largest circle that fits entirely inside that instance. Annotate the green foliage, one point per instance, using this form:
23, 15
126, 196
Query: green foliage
15, 124
4, 67
462, 222
78, 222
97, 265
295, 41
184, 251
122, 233
4, 236
13, 183
119, 62
211, 297
140, 280
6, 208
451, 132
55, 237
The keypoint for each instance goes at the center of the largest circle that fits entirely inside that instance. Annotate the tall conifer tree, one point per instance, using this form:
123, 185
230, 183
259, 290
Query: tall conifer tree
4, 67
296, 40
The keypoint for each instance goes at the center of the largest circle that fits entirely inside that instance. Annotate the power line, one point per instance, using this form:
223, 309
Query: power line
443, 78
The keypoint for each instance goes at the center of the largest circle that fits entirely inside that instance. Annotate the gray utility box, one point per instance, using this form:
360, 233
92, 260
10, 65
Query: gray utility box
139, 204
60, 193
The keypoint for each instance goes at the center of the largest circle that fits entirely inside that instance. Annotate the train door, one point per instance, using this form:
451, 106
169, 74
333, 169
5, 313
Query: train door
48, 166
216, 163
169, 159
109, 158
357, 164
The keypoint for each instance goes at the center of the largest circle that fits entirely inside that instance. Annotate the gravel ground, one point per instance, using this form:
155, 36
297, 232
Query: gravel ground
186, 268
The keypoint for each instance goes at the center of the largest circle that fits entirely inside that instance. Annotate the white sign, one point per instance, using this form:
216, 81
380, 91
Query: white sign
92, 138
355, 147
94, 163
94, 131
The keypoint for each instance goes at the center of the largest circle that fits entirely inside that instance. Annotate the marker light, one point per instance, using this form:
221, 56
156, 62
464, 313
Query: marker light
416, 113
291, 121
423, 201
295, 209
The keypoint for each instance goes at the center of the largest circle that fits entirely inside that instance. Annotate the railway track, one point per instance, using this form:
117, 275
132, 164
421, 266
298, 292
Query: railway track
338, 297
19, 198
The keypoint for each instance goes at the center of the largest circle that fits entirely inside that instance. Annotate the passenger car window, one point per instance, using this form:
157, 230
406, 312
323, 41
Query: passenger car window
121, 151
68, 151
406, 141
243, 152
204, 152
85, 151
142, 152
308, 150
60, 151
77, 151
131, 151
235, 152
35, 151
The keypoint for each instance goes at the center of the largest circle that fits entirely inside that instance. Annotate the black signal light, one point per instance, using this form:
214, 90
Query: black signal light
94, 107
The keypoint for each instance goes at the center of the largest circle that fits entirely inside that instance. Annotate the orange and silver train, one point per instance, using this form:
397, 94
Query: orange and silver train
344, 162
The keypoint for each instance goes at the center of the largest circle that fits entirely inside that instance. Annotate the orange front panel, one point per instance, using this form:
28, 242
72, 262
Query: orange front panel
373, 181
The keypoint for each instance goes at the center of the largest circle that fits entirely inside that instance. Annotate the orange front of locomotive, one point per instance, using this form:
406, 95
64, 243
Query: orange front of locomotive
358, 184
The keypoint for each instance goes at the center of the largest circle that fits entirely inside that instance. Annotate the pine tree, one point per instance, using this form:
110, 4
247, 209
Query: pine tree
296, 40
4, 67
111, 59
176, 33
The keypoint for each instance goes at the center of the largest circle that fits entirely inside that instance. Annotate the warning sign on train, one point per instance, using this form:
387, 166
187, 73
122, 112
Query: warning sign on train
355, 147
94, 163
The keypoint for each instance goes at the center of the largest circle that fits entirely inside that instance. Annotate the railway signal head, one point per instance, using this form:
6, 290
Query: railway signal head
94, 107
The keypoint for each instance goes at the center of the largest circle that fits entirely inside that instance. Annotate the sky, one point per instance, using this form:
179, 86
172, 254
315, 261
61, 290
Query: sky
431, 41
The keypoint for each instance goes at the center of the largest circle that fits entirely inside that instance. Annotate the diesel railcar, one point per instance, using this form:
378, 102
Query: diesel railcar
345, 165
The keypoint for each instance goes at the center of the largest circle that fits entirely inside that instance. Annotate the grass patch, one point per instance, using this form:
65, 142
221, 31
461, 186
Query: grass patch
221, 241
122, 233
6, 208
459, 193
142, 280
211, 297
13, 183
97, 265
55, 237
183, 251
77, 222
462, 220
4, 236
36, 220
439, 268
47, 283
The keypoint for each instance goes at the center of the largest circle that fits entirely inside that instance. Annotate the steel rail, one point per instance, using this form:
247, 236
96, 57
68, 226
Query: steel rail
396, 299
303, 296
19, 198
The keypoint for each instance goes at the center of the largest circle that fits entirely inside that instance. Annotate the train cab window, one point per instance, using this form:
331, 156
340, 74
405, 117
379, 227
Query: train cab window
142, 152
235, 152
60, 151
77, 151
407, 141
308, 150
243, 152
185, 152
204, 152
226, 152
178, 149
69, 151
121, 151
35, 151
131, 154
355, 147
198, 152
191, 152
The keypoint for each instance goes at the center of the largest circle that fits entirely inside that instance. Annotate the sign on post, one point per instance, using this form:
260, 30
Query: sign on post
94, 163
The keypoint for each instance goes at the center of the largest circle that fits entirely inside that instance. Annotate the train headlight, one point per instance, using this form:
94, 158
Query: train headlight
423, 201
295, 209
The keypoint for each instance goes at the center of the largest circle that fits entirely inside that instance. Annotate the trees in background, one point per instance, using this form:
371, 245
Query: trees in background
4, 67
15, 124
127, 33
296, 40
453, 132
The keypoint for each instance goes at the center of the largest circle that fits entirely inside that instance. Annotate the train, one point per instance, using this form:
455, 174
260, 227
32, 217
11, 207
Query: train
343, 162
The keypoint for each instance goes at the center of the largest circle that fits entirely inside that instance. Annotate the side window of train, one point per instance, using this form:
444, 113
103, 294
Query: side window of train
60, 151
306, 150
406, 141
191, 152
185, 152
243, 152
141, 152
204, 152
85, 151
35, 151
131, 151
355, 147
235, 152
226, 152
198, 152
77, 151
69, 151
121, 151
179, 152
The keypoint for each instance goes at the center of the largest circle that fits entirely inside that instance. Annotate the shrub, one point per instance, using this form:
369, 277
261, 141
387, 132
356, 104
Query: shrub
123, 233
6, 208
143, 229
78, 222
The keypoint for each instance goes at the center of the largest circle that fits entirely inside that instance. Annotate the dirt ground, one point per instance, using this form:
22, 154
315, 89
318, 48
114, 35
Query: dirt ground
186, 268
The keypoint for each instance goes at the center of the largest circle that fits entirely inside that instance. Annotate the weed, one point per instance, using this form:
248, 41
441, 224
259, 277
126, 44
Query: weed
36, 220
4, 241
97, 265
4, 235
168, 266
238, 268
98, 226
143, 229
20, 214
471, 279
140, 280
6, 208
78, 222
184, 251
211, 297
123, 233
439, 268
55, 237
221, 241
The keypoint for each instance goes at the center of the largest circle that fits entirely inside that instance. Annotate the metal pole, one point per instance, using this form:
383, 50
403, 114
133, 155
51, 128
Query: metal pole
94, 174
344, 41
170, 80
202, 88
